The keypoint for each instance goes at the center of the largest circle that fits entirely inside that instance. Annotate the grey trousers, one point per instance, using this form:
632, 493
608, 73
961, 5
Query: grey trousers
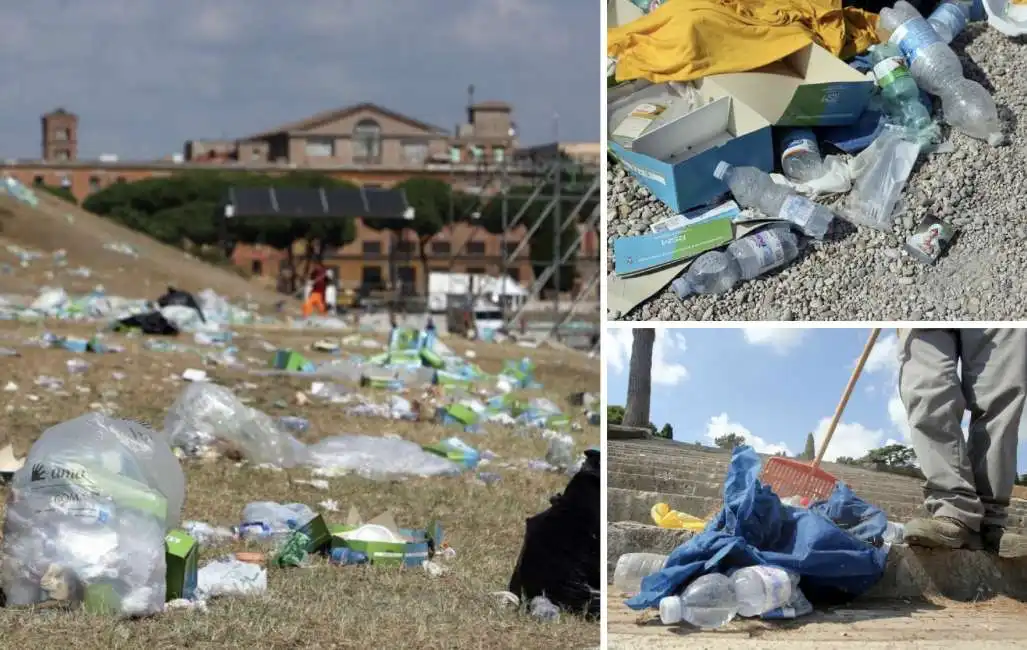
972, 480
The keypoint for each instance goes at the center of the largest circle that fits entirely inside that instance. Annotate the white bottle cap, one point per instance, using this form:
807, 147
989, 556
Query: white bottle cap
670, 610
721, 170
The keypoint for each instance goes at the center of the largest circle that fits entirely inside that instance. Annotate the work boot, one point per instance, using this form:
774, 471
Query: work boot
997, 540
941, 532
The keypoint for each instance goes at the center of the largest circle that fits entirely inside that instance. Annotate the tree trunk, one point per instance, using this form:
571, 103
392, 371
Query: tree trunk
422, 245
636, 413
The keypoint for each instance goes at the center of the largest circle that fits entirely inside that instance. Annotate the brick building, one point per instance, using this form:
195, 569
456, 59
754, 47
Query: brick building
366, 144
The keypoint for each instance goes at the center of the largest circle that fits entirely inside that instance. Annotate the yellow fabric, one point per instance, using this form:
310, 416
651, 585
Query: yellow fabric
689, 39
667, 518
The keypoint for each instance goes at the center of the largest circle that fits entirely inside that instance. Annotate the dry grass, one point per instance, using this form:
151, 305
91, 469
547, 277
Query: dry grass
321, 606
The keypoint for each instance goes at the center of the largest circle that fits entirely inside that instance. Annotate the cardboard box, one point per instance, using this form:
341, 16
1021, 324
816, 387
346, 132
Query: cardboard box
420, 547
811, 87
317, 530
455, 450
182, 555
291, 362
642, 253
675, 159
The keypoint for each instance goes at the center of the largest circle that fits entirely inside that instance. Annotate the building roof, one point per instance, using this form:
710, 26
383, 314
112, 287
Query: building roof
491, 106
337, 113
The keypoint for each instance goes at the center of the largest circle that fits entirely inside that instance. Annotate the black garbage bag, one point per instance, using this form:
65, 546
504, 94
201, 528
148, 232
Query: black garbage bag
560, 554
151, 323
183, 298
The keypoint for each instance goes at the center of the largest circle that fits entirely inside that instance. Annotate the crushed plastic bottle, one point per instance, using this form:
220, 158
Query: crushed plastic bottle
898, 88
709, 602
936, 68
263, 519
633, 567
761, 589
746, 258
950, 18
800, 155
753, 188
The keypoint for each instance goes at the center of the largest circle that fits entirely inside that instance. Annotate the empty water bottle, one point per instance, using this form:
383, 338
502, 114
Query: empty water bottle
898, 88
709, 602
950, 18
936, 69
746, 258
633, 567
761, 589
800, 155
753, 188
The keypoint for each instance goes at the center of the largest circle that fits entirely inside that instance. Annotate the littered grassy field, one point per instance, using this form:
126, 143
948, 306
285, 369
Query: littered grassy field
323, 605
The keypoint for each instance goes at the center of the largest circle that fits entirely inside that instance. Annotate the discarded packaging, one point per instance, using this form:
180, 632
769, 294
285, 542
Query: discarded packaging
930, 239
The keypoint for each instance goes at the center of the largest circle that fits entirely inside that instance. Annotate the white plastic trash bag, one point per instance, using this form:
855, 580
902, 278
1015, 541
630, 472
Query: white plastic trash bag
87, 515
378, 458
206, 412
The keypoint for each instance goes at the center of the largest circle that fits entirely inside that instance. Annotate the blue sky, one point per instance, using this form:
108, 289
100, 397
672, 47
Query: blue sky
773, 386
144, 76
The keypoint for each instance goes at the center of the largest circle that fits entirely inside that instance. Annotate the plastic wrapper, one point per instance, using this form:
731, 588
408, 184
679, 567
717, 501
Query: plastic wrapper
378, 458
880, 173
87, 515
206, 412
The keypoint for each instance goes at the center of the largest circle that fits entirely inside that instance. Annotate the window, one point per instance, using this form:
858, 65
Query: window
415, 153
475, 270
257, 267
320, 147
510, 247
94, 183
498, 154
404, 247
62, 154
408, 277
441, 247
371, 276
256, 154
367, 142
514, 273
455, 154
477, 152
372, 248
475, 248
65, 181
62, 135
37, 181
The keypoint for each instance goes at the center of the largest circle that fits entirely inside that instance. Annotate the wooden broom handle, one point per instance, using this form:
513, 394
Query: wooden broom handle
845, 396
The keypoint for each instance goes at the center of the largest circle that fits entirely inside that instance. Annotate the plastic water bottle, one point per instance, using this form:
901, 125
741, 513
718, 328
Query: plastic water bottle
761, 589
753, 188
950, 18
936, 69
800, 155
709, 602
746, 258
898, 88
632, 567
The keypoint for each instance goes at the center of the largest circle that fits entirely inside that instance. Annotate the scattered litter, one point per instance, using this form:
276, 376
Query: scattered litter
230, 578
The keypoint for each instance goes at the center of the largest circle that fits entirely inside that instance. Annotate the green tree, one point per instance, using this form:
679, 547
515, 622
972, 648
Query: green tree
614, 414
810, 451
891, 457
58, 191
667, 432
430, 198
729, 441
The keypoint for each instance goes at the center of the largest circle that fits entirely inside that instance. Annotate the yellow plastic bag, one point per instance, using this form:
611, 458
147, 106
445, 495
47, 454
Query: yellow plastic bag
667, 518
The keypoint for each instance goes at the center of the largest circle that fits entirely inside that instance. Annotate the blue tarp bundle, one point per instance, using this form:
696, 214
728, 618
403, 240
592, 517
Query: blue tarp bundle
830, 545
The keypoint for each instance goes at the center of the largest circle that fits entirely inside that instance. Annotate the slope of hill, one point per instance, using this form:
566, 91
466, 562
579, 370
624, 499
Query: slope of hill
56, 225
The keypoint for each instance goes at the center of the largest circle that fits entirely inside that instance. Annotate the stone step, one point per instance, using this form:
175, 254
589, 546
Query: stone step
910, 573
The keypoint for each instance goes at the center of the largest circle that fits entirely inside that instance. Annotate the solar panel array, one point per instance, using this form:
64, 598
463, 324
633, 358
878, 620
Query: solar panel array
380, 205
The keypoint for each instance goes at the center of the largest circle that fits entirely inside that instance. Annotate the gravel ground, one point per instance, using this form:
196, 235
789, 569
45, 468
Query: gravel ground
863, 274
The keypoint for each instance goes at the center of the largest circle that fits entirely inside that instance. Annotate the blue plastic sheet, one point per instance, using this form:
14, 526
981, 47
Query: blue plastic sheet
830, 545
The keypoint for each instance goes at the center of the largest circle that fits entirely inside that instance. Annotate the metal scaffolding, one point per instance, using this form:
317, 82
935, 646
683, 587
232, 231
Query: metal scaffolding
555, 185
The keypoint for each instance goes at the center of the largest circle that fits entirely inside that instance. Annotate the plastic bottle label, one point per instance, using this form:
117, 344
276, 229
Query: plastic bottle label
913, 37
889, 71
777, 583
798, 210
803, 145
951, 16
767, 248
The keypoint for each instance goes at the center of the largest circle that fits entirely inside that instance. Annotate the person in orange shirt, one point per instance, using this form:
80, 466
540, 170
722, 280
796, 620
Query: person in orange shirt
316, 301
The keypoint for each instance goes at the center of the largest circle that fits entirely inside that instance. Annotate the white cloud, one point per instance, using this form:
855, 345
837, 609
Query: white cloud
884, 357
721, 425
617, 349
668, 346
780, 340
897, 415
850, 439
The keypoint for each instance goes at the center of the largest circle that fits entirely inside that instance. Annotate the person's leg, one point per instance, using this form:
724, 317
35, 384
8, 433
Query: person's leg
995, 385
934, 401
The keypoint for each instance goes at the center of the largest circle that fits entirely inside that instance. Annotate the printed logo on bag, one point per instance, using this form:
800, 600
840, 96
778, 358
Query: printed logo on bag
832, 96
41, 473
